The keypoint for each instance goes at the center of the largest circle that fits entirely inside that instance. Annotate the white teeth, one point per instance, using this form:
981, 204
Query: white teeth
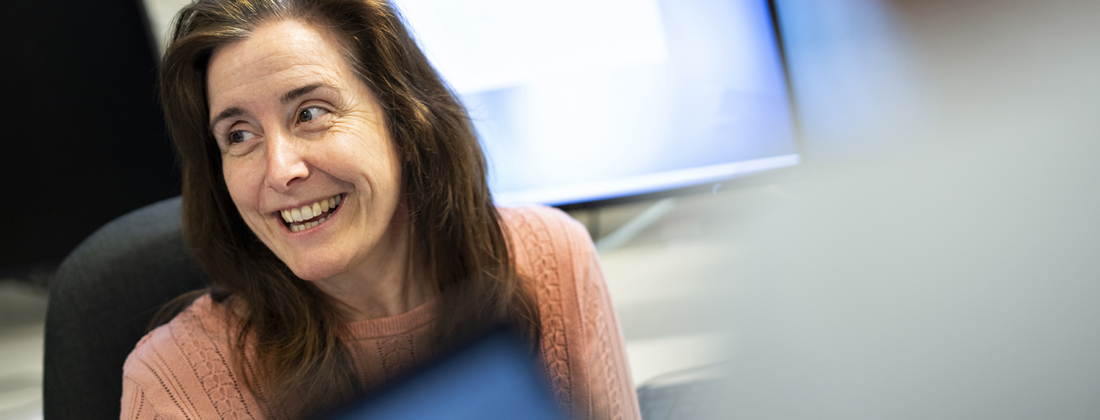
304, 226
305, 213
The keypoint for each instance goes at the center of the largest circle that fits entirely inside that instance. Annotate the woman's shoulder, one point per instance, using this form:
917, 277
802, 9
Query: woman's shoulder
550, 249
581, 344
546, 243
174, 362
180, 343
202, 320
541, 226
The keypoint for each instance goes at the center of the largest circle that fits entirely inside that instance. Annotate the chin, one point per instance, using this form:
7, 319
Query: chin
316, 269
313, 274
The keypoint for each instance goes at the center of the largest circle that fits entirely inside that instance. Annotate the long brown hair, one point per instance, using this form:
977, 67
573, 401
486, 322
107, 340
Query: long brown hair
294, 330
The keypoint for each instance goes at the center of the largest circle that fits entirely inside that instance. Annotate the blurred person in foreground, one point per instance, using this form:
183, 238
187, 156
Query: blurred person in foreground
335, 193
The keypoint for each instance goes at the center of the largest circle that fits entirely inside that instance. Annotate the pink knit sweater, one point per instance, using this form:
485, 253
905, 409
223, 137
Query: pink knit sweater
182, 370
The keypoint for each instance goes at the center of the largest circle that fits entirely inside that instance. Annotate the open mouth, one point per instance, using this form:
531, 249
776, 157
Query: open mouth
309, 216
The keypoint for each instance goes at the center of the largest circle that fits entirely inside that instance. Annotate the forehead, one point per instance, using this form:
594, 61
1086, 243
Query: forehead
277, 57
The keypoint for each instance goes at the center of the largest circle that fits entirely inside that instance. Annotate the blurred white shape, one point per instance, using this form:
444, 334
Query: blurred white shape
21, 350
18, 398
160, 14
635, 225
638, 184
490, 44
653, 357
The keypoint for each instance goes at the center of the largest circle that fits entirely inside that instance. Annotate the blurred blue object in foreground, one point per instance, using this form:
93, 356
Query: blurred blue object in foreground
493, 378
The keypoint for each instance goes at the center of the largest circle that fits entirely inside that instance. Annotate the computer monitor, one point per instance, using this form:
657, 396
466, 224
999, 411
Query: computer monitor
587, 100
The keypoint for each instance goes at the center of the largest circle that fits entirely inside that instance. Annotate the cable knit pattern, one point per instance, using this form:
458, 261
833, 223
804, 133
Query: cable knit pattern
534, 238
181, 370
596, 321
398, 355
210, 367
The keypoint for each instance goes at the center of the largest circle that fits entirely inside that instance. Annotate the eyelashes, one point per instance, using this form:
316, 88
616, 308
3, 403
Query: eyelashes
307, 118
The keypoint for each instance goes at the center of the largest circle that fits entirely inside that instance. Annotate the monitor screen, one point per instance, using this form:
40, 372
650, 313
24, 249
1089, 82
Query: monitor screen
587, 100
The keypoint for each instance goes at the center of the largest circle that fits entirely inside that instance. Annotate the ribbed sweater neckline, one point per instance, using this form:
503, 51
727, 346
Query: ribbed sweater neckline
359, 330
393, 325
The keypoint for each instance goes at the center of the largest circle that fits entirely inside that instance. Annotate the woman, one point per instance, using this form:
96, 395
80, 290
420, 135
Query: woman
335, 192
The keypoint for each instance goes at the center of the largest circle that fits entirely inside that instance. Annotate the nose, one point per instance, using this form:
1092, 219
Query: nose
286, 163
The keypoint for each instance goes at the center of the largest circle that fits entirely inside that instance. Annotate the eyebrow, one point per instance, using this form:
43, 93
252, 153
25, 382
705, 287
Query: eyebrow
227, 113
286, 98
297, 93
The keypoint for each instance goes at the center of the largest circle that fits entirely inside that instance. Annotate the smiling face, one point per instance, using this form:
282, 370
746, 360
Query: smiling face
300, 133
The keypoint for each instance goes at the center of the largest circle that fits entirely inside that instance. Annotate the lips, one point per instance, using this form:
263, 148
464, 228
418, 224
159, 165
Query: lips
301, 218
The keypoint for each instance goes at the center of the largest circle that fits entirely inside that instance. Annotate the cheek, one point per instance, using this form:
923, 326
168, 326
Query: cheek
365, 152
242, 181
384, 168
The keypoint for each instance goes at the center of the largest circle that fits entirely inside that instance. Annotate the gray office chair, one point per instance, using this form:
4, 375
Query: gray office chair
101, 301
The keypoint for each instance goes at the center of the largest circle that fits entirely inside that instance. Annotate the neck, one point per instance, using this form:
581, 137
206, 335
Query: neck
386, 284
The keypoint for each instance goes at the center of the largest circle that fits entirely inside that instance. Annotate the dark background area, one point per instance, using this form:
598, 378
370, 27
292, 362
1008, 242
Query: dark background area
84, 138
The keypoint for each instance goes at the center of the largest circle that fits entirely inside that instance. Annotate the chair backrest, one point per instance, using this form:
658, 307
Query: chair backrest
101, 302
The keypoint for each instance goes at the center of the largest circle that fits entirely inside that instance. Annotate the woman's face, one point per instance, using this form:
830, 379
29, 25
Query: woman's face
298, 132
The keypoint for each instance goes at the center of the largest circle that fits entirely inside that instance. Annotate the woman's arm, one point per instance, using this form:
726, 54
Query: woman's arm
610, 387
135, 406
581, 343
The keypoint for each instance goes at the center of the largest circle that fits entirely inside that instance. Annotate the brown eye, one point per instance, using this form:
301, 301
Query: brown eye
308, 114
239, 137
